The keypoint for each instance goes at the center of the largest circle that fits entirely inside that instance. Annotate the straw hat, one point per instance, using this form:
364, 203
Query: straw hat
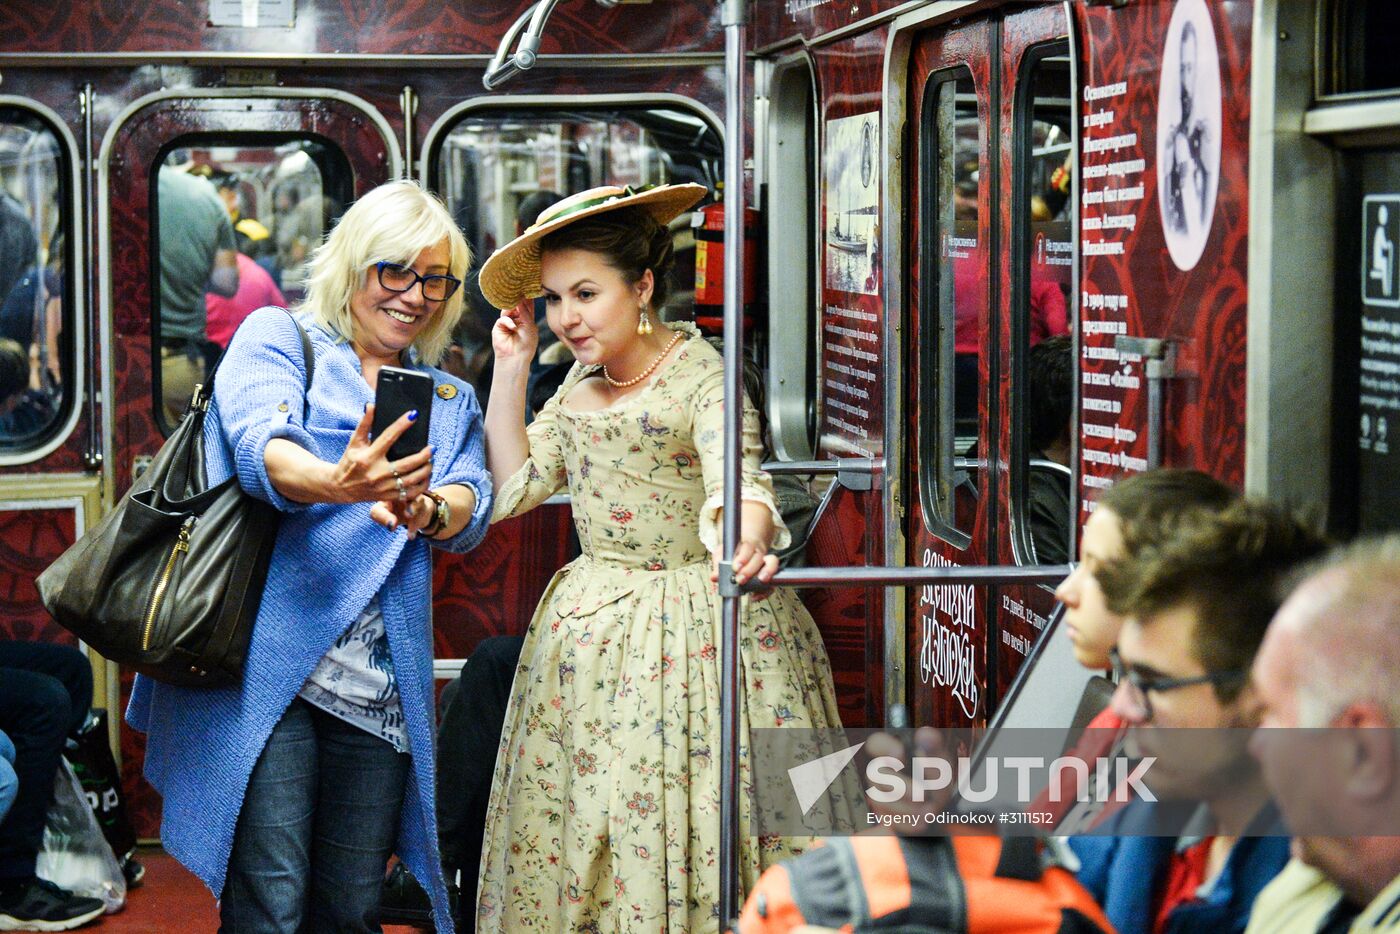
513, 272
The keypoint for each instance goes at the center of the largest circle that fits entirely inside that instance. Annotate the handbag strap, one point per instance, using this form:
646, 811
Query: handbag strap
200, 402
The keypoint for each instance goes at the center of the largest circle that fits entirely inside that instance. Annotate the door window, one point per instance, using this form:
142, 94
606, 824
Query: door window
36, 282
954, 285
236, 223
498, 168
1042, 257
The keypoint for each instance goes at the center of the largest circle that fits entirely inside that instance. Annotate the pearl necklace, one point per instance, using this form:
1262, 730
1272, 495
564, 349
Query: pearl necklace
624, 384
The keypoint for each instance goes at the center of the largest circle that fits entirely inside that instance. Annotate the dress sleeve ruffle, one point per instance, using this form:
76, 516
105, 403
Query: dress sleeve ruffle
544, 472
707, 424
712, 536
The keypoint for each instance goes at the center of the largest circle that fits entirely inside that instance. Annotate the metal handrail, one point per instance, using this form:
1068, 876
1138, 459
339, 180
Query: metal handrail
502, 69
408, 104
905, 576
854, 473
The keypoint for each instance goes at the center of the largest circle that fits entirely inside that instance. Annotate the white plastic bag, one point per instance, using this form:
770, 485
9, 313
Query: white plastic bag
75, 854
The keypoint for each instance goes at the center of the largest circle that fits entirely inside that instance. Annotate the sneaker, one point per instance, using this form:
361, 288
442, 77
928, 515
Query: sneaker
133, 872
38, 905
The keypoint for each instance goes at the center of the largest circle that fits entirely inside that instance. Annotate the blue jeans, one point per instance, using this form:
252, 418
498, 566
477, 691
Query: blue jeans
45, 693
9, 781
319, 821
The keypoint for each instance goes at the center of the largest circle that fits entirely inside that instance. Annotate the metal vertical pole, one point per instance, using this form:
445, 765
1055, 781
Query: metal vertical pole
86, 242
408, 103
733, 19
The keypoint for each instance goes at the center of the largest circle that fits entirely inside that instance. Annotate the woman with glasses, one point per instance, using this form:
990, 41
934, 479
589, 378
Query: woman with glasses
288, 793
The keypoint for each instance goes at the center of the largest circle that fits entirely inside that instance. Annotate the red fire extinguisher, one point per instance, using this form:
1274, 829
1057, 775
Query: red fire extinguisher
708, 225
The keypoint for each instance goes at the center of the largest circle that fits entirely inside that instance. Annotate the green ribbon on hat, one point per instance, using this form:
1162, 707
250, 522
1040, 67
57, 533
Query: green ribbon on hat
627, 192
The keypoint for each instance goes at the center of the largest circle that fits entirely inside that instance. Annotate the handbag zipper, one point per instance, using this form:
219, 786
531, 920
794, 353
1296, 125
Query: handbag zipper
182, 543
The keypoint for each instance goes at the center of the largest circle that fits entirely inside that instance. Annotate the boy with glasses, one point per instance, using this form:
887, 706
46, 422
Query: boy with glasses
1195, 607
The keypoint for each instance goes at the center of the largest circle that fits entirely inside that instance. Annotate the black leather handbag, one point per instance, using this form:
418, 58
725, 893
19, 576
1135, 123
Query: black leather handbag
169, 582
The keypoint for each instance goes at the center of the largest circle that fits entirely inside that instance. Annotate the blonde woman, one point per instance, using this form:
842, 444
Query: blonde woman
288, 793
604, 814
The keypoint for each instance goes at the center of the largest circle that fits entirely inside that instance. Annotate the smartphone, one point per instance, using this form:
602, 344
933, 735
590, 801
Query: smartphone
400, 391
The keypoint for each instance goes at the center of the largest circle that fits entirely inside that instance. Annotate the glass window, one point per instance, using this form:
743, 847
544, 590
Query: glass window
1043, 263
953, 290
36, 282
1363, 46
235, 222
497, 169
791, 199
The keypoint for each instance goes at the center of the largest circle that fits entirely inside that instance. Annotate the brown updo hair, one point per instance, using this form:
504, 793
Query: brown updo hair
630, 240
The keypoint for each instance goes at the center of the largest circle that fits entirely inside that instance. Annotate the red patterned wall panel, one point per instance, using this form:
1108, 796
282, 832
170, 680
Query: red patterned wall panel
845, 614
784, 20
493, 589
31, 537
353, 26
851, 377
1133, 280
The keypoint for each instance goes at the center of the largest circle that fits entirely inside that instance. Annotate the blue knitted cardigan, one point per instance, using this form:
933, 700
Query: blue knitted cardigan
328, 562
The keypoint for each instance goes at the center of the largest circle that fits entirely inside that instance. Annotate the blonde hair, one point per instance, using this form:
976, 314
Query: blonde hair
393, 223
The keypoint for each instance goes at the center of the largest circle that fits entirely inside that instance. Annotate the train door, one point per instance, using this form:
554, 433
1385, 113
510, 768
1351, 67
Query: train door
978, 139
284, 165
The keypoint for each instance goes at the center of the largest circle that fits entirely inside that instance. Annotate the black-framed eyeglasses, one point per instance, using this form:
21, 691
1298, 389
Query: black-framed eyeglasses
397, 277
1140, 687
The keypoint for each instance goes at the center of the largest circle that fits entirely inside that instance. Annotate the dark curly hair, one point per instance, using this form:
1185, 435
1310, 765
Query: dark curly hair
1050, 401
629, 239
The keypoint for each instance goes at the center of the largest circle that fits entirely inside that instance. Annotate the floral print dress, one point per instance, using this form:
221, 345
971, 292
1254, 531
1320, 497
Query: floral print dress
604, 812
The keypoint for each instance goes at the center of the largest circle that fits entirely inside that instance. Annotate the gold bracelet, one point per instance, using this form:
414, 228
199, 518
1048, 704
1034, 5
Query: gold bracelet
442, 514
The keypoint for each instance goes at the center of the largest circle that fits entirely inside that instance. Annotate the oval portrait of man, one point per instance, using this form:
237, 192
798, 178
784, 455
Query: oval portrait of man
1188, 132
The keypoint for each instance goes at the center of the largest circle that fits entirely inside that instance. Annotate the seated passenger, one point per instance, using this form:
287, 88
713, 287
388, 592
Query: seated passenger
45, 693
9, 781
1049, 415
1137, 513
26, 407
1196, 608
1331, 658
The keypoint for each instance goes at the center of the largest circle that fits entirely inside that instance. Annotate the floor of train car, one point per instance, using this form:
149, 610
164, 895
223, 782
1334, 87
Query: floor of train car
172, 901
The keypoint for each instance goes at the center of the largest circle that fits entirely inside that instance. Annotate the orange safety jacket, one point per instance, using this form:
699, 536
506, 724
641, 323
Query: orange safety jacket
923, 885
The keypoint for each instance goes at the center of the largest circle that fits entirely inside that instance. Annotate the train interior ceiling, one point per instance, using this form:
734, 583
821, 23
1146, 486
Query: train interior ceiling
936, 189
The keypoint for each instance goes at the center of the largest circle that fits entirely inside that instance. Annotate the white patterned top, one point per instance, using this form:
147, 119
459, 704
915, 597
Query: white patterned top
355, 680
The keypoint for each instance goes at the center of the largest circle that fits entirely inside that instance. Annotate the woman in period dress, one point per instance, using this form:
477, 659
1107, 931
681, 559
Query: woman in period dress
604, 813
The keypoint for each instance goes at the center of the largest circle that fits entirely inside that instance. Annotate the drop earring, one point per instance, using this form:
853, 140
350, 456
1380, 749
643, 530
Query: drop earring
644, 322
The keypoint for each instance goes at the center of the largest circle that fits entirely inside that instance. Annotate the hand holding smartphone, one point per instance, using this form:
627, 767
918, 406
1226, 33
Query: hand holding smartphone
398, 391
